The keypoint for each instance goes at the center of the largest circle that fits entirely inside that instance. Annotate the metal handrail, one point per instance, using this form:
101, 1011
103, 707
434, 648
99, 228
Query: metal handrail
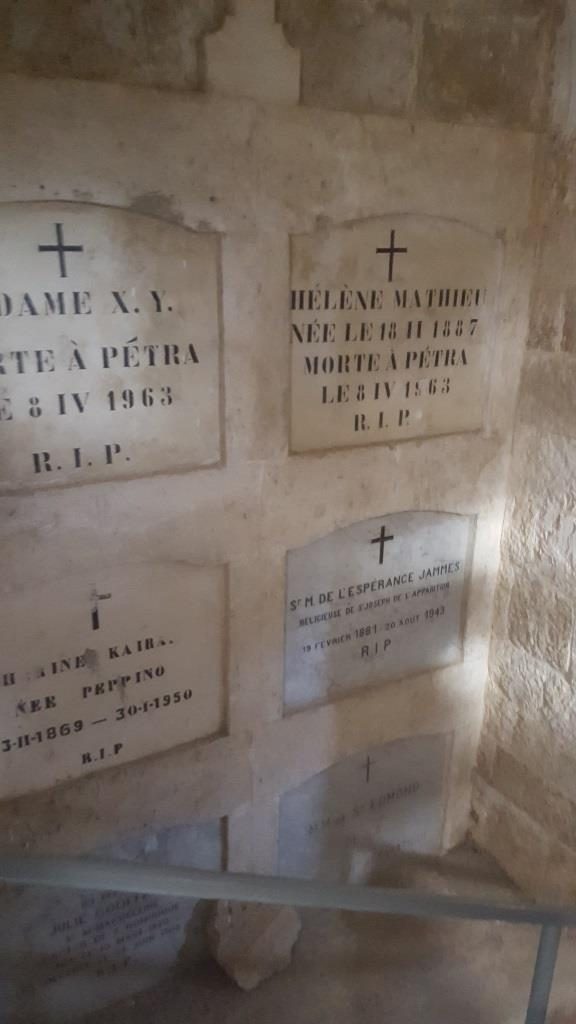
153, 880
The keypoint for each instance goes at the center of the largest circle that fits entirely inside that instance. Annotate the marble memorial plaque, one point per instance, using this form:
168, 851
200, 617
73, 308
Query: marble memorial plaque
109, 345
375, 601
390, 331
98, 671
66, 953
336, 823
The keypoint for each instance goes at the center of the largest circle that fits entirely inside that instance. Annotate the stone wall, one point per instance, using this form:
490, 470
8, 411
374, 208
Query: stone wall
525, 792
453, 60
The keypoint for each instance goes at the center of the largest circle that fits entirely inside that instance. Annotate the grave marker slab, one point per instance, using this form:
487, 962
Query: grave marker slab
96, 671
375, 601
390, 331
334, 825
66, 953
109, 348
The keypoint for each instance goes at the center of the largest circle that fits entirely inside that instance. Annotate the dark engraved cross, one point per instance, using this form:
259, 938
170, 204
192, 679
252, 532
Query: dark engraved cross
369, 763
381, 540
61, 249
390, 251
95, 616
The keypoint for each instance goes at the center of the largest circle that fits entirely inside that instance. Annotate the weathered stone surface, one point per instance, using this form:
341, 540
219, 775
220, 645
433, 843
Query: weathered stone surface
564, 84
553, 811
568, 340
564, 767
537, 861
501, 9
542, 525
553, 321
519, 674
359, 57
529, 715
511, 836
149, 43
547, 325
483, 69
541, 621
559, 224
501, 715
303, 17
251, 941
527, 811
547, 398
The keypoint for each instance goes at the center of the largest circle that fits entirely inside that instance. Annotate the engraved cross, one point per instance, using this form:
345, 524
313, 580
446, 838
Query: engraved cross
382, 539
369, 763
95, 613
390, 251
61, 249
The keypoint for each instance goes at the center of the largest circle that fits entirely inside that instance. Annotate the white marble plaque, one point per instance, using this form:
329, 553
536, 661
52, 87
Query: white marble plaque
336, 823
375, 601
66, 953
96, 671
390, 331
109, 345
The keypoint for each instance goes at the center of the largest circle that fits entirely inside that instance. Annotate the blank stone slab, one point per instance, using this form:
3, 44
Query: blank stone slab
336, 823
375, 601
390, 334
109, 349
96, 671
66, 953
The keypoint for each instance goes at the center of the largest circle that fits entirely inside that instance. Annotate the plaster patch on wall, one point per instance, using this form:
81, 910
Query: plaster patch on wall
249, 56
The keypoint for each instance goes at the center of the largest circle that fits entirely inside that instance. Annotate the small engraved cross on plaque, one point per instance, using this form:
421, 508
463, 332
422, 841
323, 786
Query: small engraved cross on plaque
95, 614
61, 249
390, 251
382, 540
368, 766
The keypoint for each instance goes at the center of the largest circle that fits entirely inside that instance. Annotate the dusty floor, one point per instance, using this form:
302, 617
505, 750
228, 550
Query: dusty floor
350, 968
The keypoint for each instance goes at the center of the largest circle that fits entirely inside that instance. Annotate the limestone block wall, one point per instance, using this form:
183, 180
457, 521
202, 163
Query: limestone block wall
525, 793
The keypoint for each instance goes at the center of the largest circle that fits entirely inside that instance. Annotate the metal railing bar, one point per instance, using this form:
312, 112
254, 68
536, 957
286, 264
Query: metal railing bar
188, 883
543, 974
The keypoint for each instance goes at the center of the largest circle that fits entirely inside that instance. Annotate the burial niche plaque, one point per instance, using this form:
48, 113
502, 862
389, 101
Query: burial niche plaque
375, 601
390, 331
89, 949
108, 346
96, 672
336, 823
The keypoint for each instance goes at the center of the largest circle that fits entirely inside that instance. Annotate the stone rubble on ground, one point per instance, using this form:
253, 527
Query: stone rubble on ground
251, 942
